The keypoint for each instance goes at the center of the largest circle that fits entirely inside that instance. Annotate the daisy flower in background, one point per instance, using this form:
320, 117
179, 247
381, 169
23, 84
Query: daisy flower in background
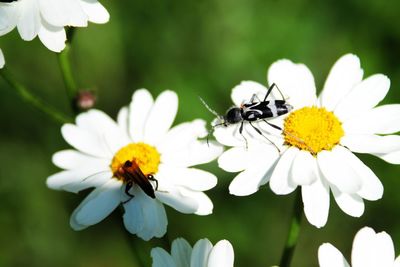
142, 137
47, 19
370, 249
2, 61
203, 254
318, 138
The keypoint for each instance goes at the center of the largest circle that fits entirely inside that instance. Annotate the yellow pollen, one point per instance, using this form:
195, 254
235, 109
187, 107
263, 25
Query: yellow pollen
145, 156
312, 129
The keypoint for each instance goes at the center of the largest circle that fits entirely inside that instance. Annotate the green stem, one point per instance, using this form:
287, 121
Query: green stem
66, 69
33, 100
294, 230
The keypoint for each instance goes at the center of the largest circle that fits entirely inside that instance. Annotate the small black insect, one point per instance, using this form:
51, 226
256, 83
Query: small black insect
253, 111
7, 1
131, 173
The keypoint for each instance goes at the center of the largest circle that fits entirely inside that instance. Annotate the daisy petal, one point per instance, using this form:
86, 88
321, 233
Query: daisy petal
84, 141
181, 252
243, 92
144, 216
350, 204
363, 245
181, 147
385, 249
393, 158
161, 258
197, 152
371, 249
175, 199
344, 75
122, 119
247, 182
295, 81
72, 159
329, 256
94, 180
2, 61
316, 202
8, 17
139, 108
182, 135
76, 15
107, 130
95, 121
201, 252
221, 255
95, 11
77, 180
372, 144
304, 169
97, 205
204, 203
55, 12
234, 159
280, 182
229, 135
371, 188
29, 20
380, 120
52, 37
166, 105
194, 179
335, 167
366, 94
397, 262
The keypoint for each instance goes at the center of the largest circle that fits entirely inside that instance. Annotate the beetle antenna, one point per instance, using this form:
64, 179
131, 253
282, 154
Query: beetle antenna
210, 109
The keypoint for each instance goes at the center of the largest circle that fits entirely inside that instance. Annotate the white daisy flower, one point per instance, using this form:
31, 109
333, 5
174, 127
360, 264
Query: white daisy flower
318, 138
2, 61
370, 249
160, 165
47, 18
203, 254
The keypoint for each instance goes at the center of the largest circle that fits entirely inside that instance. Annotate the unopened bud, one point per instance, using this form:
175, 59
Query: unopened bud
84, 100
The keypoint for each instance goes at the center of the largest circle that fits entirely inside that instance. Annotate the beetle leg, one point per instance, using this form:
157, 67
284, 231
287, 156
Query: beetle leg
273, 125
151, 178
270, 89
241, 132
260, 133
254, 97
127, 188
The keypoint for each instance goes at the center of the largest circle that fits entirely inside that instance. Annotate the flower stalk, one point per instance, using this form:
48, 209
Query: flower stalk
294, 231
28, 97
66, 70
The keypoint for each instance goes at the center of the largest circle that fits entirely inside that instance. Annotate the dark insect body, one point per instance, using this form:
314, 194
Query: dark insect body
253, 111
131, 174
7, 1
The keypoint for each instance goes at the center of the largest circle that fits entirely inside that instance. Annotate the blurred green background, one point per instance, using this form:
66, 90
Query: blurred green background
195, 48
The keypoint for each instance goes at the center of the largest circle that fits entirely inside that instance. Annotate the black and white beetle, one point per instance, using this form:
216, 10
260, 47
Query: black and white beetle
253, 111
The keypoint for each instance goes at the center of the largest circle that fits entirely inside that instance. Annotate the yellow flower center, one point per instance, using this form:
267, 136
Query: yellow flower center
145, 156
312, 129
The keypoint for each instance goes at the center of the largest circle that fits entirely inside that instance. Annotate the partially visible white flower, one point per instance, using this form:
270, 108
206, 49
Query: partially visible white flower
203, 254
47, 18
142, 135
370, 249
318, 139
2, 61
